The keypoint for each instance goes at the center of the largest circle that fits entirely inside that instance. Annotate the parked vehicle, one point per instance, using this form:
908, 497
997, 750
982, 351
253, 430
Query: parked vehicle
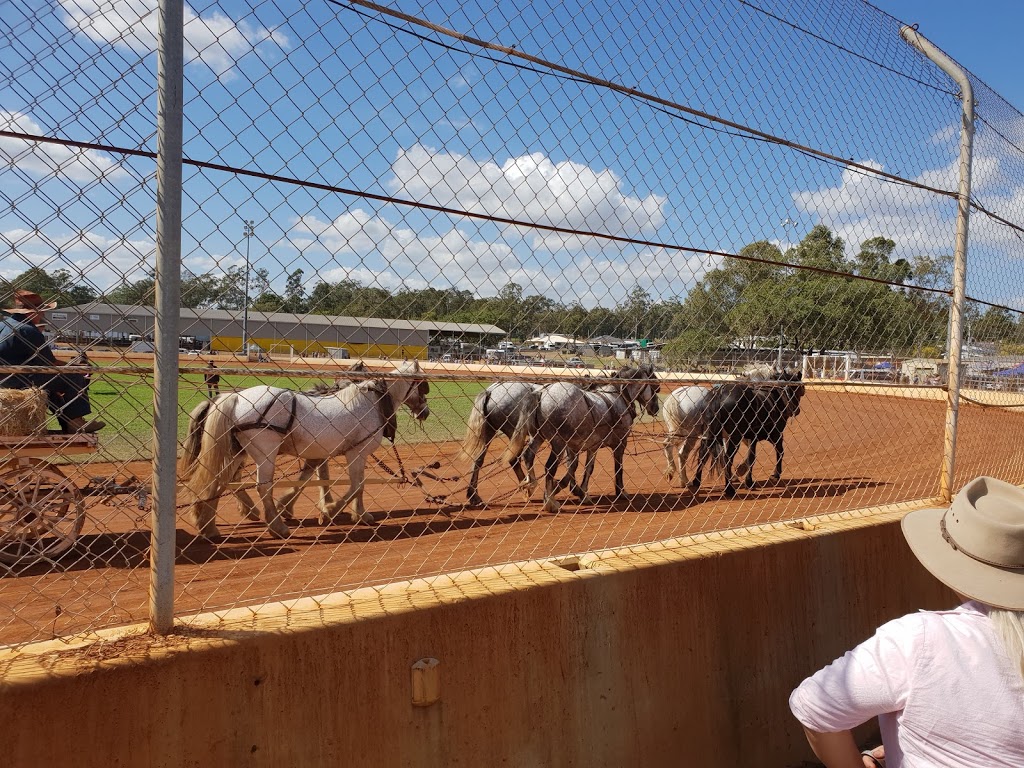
575, 362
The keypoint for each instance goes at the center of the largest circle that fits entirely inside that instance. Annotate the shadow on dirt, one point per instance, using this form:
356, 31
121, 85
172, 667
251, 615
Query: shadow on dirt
246, 540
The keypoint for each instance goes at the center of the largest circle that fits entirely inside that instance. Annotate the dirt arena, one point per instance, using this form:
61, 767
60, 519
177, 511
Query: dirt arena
843, 452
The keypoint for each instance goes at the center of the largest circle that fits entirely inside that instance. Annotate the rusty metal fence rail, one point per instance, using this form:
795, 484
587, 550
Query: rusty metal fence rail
295, 252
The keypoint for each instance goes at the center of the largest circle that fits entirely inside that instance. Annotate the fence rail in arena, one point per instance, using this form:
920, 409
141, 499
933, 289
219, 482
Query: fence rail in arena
480, 284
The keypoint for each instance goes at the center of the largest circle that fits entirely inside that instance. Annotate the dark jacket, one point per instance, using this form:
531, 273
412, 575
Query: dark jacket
21, 343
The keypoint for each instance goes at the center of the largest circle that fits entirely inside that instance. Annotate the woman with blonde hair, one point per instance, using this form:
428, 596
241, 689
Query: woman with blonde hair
947, 686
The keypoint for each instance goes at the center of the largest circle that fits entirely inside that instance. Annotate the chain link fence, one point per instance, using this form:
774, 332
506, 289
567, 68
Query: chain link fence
484, 227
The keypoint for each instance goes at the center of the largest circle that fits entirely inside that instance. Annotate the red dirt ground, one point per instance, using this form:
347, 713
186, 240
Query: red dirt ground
843, 452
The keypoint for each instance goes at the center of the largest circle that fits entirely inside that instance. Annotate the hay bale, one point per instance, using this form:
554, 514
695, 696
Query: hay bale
22, 412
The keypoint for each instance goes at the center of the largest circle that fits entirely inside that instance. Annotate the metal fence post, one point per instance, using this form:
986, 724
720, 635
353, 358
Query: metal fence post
170, 76
956, 312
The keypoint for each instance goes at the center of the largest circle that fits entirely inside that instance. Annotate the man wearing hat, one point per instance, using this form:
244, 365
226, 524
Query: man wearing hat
23, 343
947, 686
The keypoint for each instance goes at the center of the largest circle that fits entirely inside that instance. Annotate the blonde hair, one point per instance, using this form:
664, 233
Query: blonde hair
1009, 626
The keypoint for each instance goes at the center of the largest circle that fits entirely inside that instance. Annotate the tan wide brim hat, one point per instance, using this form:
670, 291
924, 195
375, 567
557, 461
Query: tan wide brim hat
976, 546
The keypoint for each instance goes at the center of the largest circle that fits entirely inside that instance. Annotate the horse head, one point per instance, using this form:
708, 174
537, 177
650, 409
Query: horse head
794, 390
415, 389
640, 387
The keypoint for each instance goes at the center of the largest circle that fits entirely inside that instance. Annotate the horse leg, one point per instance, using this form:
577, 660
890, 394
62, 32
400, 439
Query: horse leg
684, 454
265, 488
732, 445
527, 459
472, 497
588, 470
702, 458
618, 453
670, 457
248, 506
204, 515
323, 474
550, 486
748, 465
572, 465
354, 495
779, 452
287, 502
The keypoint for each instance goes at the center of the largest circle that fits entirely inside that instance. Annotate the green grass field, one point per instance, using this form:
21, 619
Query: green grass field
125, 403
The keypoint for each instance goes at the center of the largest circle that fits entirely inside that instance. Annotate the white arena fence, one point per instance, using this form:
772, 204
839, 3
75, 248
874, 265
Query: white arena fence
453, 198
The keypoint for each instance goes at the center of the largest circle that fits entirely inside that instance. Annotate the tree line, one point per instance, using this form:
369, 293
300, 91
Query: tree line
812, 297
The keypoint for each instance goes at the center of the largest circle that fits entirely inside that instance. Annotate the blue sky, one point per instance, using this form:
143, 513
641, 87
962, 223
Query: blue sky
986, 39
325, 94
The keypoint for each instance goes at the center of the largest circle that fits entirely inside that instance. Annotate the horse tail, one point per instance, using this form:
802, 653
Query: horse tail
670, 415
217, 450
526, 427
476, 428
711, 417
193, 439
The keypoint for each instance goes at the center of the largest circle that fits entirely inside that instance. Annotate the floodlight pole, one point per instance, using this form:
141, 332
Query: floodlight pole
248, 231
956, 311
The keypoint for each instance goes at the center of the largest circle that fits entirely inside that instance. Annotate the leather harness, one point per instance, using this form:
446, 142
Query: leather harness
385, 407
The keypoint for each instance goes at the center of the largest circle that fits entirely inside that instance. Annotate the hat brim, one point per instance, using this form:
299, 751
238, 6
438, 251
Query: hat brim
32, 310
989, 584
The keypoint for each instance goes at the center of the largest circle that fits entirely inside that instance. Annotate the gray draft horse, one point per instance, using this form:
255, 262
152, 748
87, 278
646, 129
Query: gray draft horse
497, 410
574, 419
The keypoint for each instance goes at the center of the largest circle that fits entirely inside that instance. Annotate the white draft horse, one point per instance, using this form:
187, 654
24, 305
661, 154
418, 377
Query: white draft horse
262, 422
575, 419
683, 415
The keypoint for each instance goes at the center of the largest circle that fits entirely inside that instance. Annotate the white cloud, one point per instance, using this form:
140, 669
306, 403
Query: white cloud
528, 188
45, 159
862, 206
214, 39
94, 259
393, 257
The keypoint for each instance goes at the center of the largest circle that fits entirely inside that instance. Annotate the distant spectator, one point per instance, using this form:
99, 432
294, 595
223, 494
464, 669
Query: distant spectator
212, 380
947, 686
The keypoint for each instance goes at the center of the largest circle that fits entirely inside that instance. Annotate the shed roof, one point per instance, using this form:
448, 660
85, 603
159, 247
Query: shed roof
127, 310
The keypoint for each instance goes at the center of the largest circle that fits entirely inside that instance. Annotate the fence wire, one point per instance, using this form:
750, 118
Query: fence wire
450, 222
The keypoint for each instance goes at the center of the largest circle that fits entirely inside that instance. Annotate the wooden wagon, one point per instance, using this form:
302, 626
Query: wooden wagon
41, 509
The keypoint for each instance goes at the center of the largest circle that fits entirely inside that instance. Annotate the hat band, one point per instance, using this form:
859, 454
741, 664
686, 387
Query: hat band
952, 542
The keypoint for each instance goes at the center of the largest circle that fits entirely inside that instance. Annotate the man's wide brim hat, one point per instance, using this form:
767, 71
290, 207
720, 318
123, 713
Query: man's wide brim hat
29, 303
976, 546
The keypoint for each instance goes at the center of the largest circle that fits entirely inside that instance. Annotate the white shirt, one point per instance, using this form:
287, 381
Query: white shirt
943, 688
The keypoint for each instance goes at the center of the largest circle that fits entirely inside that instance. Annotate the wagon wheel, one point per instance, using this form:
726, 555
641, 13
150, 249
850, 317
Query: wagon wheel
41, 512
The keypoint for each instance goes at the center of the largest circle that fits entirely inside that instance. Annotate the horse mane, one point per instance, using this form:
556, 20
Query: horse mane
322, 389
386, 406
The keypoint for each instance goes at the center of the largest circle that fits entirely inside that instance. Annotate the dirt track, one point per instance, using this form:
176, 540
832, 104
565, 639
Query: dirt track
843, 452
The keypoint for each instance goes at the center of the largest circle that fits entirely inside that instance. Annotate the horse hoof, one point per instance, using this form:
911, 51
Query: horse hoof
694, 486
730, 492
748, 484
366, 518
279, 530
325, 519
210, 532
474, 501
552, 506
253, 516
